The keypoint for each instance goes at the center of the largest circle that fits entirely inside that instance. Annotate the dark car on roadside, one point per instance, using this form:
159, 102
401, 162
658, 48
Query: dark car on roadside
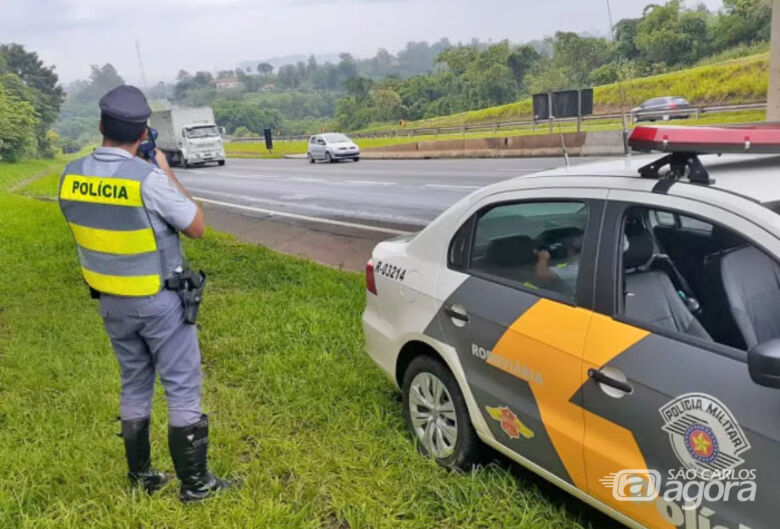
662, 108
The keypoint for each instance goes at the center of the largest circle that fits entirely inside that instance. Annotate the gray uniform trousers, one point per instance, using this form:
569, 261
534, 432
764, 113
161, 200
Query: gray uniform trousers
149, 335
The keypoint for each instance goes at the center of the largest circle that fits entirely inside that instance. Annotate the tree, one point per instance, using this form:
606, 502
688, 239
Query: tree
235, 114
625, 33
347, 67
358, 87
182, 75
387, 105
288, 76
670, 35
105, 78
18, 124
744, 22
43, 90
579, 56
521, 60
265, 68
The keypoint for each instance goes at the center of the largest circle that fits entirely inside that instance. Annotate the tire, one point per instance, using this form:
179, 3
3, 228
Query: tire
221, 163
310, 157
185, 164
356, 159
461, 449
329, 158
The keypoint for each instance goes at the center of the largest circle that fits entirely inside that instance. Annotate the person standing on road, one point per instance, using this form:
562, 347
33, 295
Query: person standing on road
126, 215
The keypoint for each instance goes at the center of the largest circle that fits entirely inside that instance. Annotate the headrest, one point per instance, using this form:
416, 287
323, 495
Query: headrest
725, 238
640, 244
516, 250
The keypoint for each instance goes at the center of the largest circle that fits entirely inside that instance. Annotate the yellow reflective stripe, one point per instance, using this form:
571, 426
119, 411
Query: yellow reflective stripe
114, 241
98, 190
134, 286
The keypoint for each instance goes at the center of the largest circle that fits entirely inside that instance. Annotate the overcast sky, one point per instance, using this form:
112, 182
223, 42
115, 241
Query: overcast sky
218, 34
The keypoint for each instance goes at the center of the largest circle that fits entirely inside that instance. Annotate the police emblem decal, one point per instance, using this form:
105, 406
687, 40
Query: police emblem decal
513, 427
704, 434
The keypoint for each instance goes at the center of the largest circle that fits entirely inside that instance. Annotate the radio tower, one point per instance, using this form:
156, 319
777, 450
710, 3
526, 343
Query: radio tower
141, 64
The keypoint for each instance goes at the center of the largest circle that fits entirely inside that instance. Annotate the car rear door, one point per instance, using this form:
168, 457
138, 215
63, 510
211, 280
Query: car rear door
669, 413
519, 338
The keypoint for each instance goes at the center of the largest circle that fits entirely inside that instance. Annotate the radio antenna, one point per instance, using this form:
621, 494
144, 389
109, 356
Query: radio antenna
141, 64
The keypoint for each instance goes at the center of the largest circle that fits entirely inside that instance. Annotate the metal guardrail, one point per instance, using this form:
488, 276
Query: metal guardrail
697, 112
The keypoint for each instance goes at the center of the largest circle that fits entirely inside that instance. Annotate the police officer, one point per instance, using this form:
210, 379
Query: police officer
126, 216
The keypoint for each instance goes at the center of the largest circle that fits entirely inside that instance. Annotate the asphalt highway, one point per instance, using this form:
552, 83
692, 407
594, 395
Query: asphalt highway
387, 196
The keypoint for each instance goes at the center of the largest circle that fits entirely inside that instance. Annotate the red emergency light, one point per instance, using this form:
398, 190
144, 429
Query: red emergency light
760, 138
685, 144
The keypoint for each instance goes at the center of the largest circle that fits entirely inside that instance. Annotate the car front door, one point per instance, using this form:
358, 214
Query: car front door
321, 147
676, 432
515, 306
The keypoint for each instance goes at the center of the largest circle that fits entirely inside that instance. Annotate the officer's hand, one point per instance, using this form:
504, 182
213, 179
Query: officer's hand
161, 159
543, 257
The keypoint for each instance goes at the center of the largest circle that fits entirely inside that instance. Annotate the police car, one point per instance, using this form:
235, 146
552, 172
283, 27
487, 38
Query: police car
613, 327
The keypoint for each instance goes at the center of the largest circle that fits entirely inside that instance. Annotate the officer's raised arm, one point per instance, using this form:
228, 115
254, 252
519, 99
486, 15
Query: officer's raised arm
197, 227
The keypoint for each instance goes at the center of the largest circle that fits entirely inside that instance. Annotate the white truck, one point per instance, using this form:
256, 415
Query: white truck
188, 136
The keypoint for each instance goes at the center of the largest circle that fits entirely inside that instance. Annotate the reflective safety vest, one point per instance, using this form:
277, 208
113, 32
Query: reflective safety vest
119, 251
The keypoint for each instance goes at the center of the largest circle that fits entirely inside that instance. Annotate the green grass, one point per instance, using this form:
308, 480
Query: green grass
257, 149
297, 408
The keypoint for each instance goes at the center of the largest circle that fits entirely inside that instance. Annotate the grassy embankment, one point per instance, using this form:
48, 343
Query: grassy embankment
297, 408
733, 81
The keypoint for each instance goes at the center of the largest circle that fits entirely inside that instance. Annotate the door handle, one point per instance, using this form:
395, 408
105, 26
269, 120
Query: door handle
456, 315
602, 378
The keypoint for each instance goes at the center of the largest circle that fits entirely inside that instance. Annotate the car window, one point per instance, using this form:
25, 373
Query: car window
687, 276
320, 141
536, 245
459, 247
313, 139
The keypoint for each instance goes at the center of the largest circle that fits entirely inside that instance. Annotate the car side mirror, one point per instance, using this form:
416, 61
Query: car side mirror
764, 363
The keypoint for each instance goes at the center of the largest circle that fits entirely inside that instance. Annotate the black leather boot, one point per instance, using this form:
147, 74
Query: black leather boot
136, 436
189, 450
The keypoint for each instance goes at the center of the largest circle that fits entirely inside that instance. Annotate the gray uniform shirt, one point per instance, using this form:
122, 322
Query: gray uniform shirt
169, 209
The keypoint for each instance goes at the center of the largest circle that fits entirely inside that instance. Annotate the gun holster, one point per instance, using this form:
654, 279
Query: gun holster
189, 286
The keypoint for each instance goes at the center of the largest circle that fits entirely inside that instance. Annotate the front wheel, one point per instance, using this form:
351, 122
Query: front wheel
221, 162
357, 159
329, 158
436, 414
185, 164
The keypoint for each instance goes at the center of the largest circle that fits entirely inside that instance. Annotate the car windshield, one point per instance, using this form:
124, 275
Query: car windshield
335, 138
203, 132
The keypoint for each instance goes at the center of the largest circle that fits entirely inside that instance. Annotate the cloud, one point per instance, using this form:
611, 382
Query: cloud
218, 34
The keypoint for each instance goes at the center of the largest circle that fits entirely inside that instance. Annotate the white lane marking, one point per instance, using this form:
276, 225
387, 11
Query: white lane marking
523, 170
304, 179
367, 182
272, 212
232, 175
451, 186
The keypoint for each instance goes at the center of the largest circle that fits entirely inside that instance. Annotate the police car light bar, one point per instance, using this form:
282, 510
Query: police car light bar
684, 144
761, 138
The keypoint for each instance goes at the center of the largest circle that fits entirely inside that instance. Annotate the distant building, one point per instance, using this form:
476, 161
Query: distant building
227, 83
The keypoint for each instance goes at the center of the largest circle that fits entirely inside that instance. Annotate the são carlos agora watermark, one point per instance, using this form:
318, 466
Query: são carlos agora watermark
708, 442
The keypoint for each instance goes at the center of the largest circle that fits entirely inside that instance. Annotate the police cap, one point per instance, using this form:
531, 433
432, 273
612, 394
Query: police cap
126, 103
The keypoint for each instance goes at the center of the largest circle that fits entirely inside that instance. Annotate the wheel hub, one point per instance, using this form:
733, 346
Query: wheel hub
433, 415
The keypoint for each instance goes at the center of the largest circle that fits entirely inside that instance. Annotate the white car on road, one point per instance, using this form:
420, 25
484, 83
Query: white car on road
613, 327
332, 147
